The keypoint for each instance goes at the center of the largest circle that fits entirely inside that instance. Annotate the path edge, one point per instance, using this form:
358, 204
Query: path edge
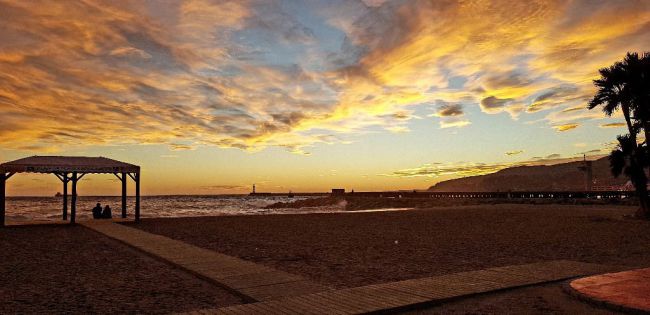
600, 303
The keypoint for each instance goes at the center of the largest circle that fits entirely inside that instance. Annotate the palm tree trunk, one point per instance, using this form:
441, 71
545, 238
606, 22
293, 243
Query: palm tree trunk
644, 210
641, 179
625, 108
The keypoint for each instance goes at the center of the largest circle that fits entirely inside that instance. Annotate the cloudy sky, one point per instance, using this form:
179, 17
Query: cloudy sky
213, 96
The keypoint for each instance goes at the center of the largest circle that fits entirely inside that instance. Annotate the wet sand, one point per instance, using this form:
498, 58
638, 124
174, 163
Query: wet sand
63, 269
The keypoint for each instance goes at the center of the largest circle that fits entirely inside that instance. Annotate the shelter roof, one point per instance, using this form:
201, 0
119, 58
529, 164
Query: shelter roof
68, 164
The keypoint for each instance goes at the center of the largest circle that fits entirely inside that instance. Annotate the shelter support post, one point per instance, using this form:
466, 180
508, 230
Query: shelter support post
123, 195
3, 181
73, 203
137, 197
65, 196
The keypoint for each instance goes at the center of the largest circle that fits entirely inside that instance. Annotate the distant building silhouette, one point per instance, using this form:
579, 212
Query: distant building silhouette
587, 168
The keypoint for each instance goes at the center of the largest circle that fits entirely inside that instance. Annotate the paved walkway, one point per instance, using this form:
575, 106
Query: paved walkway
626, 291
249, 280
414, 292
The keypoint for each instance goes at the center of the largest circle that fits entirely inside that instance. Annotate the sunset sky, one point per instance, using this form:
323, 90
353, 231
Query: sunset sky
212, 96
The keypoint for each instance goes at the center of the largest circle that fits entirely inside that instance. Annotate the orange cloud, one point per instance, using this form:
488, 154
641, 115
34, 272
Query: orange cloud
249, 75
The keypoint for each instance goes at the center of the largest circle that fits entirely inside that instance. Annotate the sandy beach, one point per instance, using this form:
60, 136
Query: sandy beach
63, 269
354, 249
58, 269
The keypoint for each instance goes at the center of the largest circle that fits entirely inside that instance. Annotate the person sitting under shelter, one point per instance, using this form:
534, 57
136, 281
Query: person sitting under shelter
106, 214
97, 211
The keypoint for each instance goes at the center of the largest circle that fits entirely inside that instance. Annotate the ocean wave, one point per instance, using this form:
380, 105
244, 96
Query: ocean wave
51, 208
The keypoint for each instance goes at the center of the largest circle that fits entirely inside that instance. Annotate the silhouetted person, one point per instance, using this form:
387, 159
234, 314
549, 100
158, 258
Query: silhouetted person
97, 211
106, 214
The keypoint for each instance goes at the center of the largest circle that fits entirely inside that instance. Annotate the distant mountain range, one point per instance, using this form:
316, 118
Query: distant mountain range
558, 177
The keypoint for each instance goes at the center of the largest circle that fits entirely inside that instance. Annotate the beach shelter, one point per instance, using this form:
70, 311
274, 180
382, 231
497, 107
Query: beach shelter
71, 169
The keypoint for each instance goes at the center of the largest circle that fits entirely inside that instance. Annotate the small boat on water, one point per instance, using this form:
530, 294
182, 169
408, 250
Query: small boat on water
58, 194
290, 195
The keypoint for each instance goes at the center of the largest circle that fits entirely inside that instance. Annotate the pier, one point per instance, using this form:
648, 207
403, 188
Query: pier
495, 195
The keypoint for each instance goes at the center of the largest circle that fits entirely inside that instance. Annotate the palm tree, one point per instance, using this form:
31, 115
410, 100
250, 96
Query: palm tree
629, 158
637, 89
626, 86
613, 93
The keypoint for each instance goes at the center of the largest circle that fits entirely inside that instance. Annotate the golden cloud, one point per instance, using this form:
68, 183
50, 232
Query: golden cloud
454, 123
451, 169
613, 125
465, 169
566, 127
186, 72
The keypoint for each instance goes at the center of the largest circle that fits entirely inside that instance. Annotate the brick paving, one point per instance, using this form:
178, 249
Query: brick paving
626, 291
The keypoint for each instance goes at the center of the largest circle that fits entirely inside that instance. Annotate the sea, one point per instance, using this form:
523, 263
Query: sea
51, 208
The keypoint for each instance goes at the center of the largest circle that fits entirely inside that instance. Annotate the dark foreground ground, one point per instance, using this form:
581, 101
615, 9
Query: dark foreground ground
353, 249
62, 269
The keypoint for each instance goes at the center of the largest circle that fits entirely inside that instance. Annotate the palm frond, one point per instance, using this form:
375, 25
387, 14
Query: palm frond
617, 162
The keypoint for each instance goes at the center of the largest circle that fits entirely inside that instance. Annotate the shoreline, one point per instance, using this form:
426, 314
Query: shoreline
48, 208
11, 221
